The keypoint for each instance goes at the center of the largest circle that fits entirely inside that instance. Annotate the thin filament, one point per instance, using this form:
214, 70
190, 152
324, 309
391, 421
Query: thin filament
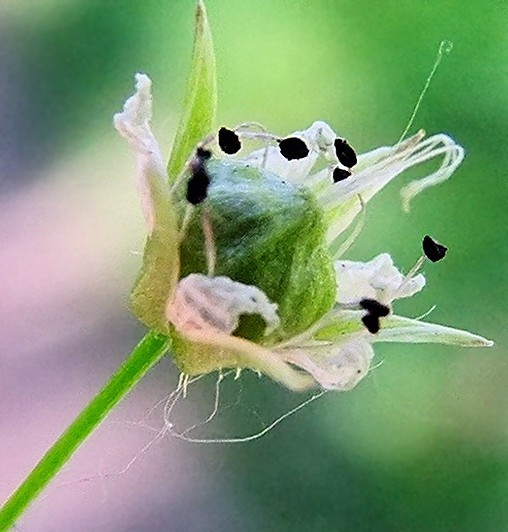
445, 47
254, 436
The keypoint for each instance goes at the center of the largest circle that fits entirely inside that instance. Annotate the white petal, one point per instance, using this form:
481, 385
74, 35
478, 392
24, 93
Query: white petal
377, 279
319, 138
133, 124
410, 287
377, 168
436, 145
294, 171
216, 303
335, 367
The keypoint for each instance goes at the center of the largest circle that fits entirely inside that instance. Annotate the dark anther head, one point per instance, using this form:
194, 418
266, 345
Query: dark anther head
203, 154
229, 141
339, 174
345, 153
197, 186
433, 250
293, 148
375, 307
371, 322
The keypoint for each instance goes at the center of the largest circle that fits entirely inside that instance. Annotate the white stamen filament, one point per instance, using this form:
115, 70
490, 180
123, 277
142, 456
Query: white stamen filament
210, 248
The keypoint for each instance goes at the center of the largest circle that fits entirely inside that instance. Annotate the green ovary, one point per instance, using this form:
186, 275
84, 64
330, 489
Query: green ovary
270, 234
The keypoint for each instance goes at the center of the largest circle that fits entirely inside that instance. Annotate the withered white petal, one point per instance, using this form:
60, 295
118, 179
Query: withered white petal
334, 366
201, 302
133, 124
377, 279
435, 145
377, 168
294, 171
319, 138
372, 173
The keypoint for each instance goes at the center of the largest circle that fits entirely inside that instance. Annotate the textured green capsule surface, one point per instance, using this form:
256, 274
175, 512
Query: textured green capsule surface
270, 234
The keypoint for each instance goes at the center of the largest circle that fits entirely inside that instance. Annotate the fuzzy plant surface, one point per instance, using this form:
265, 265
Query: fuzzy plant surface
244, 262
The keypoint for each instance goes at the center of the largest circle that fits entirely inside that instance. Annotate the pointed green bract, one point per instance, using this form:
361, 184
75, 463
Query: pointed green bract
161, 265
159, 273
343, 325
399, 329
200, 100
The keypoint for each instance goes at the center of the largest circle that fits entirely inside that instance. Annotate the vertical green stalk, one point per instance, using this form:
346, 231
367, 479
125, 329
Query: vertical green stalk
146, 354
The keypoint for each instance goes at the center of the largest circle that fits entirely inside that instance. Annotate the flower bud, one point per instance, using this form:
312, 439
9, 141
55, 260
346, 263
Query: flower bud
242, 266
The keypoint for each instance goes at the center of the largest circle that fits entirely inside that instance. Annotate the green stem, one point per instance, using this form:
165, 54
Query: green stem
146, 354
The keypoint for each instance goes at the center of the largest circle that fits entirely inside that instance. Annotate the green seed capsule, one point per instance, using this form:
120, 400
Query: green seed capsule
270, 234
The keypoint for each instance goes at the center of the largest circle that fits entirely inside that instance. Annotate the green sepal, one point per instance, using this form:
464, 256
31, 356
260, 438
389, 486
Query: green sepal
343, 325
160, 270
339, 326
399, 329
200, 101
195, 359
207, 351
161, 261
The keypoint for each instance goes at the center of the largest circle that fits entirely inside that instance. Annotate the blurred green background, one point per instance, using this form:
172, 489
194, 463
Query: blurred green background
422, 443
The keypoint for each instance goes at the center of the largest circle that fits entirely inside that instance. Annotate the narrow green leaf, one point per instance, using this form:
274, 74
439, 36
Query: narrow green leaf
200, 100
